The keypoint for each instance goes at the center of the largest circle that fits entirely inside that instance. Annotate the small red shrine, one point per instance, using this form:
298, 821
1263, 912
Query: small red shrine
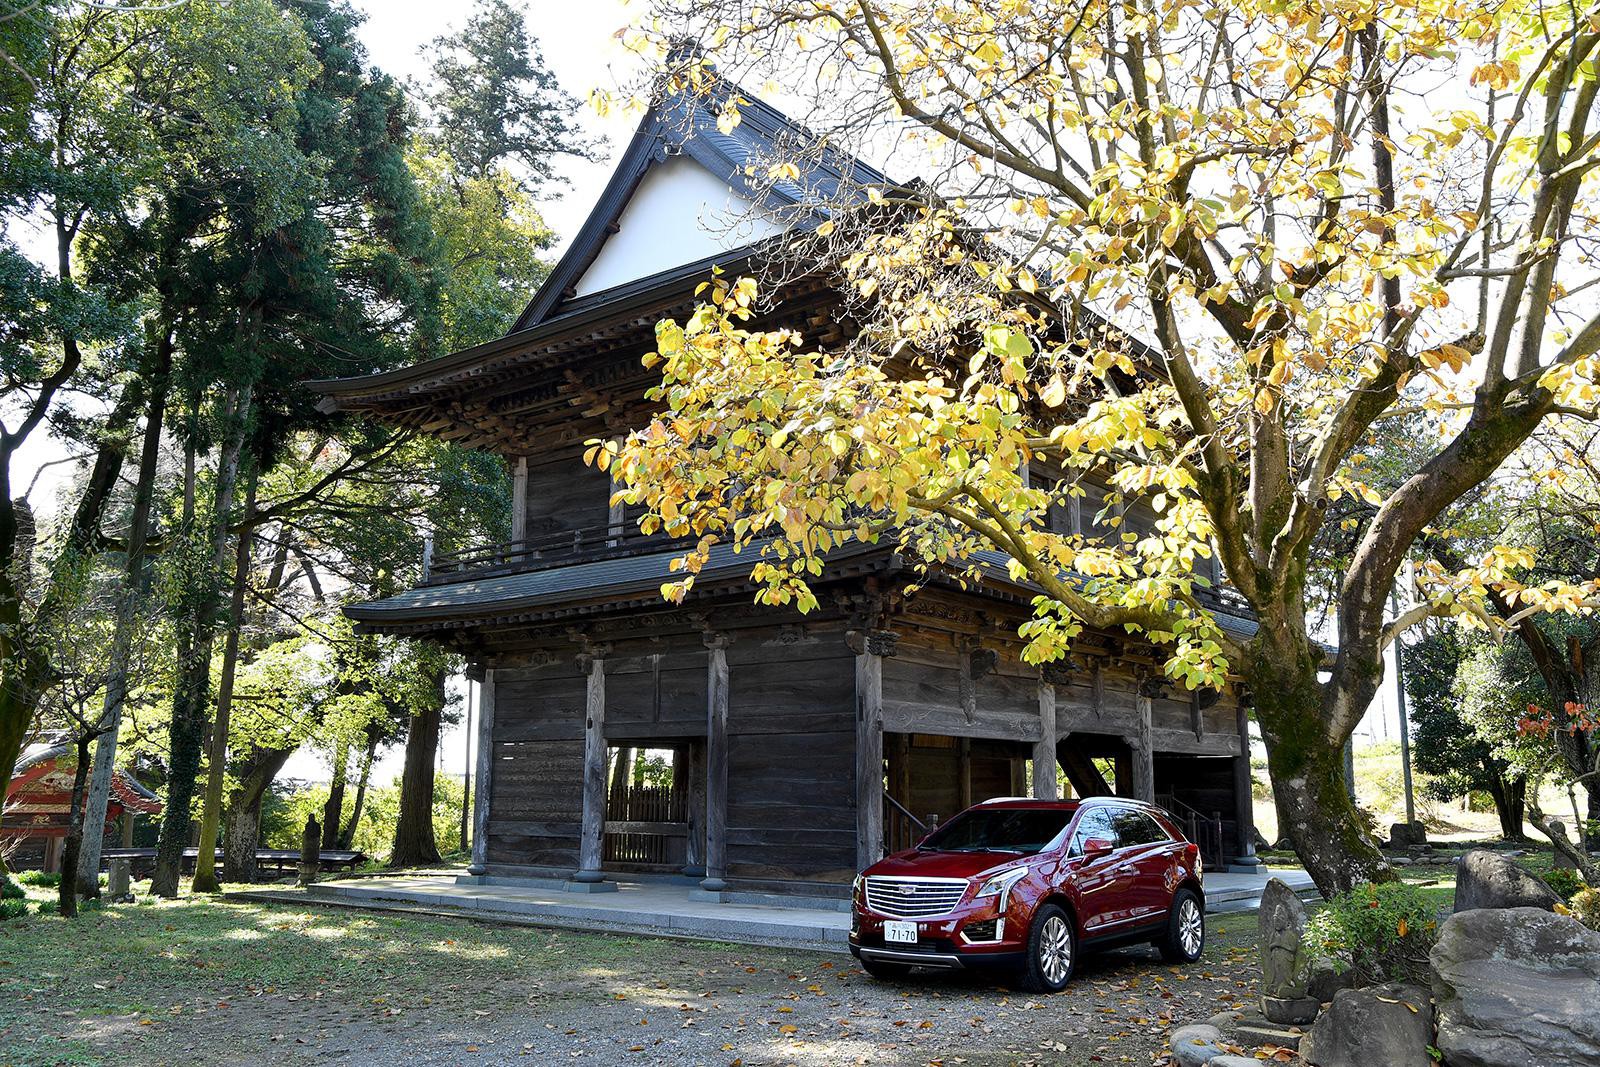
33, 823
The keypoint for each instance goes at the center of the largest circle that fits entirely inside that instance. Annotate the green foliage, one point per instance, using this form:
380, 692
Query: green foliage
1445, 747
39, 878
492, 99
10, 889
1494, 685
283, 816
1585, 907
13, 908
1564, 880
1383, 931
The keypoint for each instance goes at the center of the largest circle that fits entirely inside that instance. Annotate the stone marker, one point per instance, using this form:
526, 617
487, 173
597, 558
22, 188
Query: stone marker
1387, 1024
310, 851
1283, 956
1194, 1046
1516, 987
119, 881
1407, 835
1489, 880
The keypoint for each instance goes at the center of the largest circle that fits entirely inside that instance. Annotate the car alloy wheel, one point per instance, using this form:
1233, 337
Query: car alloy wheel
1055, 950
1191, 928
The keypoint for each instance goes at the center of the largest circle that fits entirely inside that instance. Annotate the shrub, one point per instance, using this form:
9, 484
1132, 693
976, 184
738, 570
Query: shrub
11, 889
1382, 932
39, 878
1564, 880
49, 907
1585, 907
12, 908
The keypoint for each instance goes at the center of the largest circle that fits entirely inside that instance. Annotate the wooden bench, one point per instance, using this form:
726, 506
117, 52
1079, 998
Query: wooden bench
280, 860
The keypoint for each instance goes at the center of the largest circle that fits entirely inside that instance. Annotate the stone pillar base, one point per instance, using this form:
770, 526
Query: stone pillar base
576, 886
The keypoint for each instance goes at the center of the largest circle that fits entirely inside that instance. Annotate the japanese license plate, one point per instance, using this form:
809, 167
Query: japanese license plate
899, 933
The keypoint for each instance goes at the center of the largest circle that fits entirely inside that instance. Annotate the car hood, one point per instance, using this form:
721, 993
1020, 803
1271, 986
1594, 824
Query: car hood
914, 864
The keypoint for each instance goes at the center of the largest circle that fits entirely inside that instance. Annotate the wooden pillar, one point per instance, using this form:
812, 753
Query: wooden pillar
127, 828
591, 838
1144, 771
616, 512
1044, 749
485, 772
519, 499
1244, 851
898, 749
870, 647
716, 851
694, 778
964, 769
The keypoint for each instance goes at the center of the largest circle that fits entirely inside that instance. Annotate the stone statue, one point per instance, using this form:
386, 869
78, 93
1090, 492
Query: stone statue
1283, 956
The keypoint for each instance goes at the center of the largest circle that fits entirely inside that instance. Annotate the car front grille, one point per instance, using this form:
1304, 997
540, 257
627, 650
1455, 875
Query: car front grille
914, 898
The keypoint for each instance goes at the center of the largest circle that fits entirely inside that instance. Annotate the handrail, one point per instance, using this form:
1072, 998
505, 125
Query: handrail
901, 808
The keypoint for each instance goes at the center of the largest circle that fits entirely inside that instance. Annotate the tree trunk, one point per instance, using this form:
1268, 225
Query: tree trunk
414, 844
242, 820
1509, 794
67, 891
205, 863
347, 836
105, 750
1330, 834
333, 809
193, 689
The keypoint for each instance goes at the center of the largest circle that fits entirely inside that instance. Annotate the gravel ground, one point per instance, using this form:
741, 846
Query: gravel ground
230, 983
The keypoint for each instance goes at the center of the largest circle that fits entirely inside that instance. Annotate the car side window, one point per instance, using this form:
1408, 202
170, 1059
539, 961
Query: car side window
1096, 822
1136, 828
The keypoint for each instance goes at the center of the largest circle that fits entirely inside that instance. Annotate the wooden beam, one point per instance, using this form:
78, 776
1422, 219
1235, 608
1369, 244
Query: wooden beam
694, 779
964, 755
519, 499
716, 850
871, 647
1144, 771
1044, 749
1244, 852
1086, 779
591, 838
485, 773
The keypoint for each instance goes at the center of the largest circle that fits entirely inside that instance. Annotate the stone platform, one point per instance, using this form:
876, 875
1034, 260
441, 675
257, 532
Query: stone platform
658, 908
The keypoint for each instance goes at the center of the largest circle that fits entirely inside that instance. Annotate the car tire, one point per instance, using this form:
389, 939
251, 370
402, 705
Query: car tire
1052, 951
1185, 938
884, 971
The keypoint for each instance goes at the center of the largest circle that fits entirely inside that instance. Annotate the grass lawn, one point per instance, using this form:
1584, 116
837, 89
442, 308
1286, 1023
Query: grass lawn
227, 982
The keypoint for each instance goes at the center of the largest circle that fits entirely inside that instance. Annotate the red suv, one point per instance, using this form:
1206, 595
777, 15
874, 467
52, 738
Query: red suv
1028, 885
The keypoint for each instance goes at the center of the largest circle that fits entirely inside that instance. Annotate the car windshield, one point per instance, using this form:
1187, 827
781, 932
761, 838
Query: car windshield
1020, 830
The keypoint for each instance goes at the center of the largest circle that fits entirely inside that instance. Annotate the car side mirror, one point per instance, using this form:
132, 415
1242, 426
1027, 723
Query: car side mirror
1096, 846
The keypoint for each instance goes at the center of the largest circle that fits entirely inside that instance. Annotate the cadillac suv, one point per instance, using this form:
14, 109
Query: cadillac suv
1029, 885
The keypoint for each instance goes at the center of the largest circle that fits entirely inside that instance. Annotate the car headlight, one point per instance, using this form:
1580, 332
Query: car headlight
855, 888
1002, 882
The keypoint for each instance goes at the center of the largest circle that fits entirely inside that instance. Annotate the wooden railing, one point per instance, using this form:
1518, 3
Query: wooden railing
1204, 830
551, 550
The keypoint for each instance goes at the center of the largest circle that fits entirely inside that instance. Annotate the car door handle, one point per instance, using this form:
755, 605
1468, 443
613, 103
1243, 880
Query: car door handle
1128, 868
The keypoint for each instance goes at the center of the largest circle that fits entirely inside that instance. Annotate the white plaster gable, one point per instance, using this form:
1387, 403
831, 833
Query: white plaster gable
680, 213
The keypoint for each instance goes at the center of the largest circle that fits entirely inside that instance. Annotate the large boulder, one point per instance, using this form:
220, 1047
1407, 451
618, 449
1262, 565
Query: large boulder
1408, 835
1490, 880
1516, 987
1388, 1024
